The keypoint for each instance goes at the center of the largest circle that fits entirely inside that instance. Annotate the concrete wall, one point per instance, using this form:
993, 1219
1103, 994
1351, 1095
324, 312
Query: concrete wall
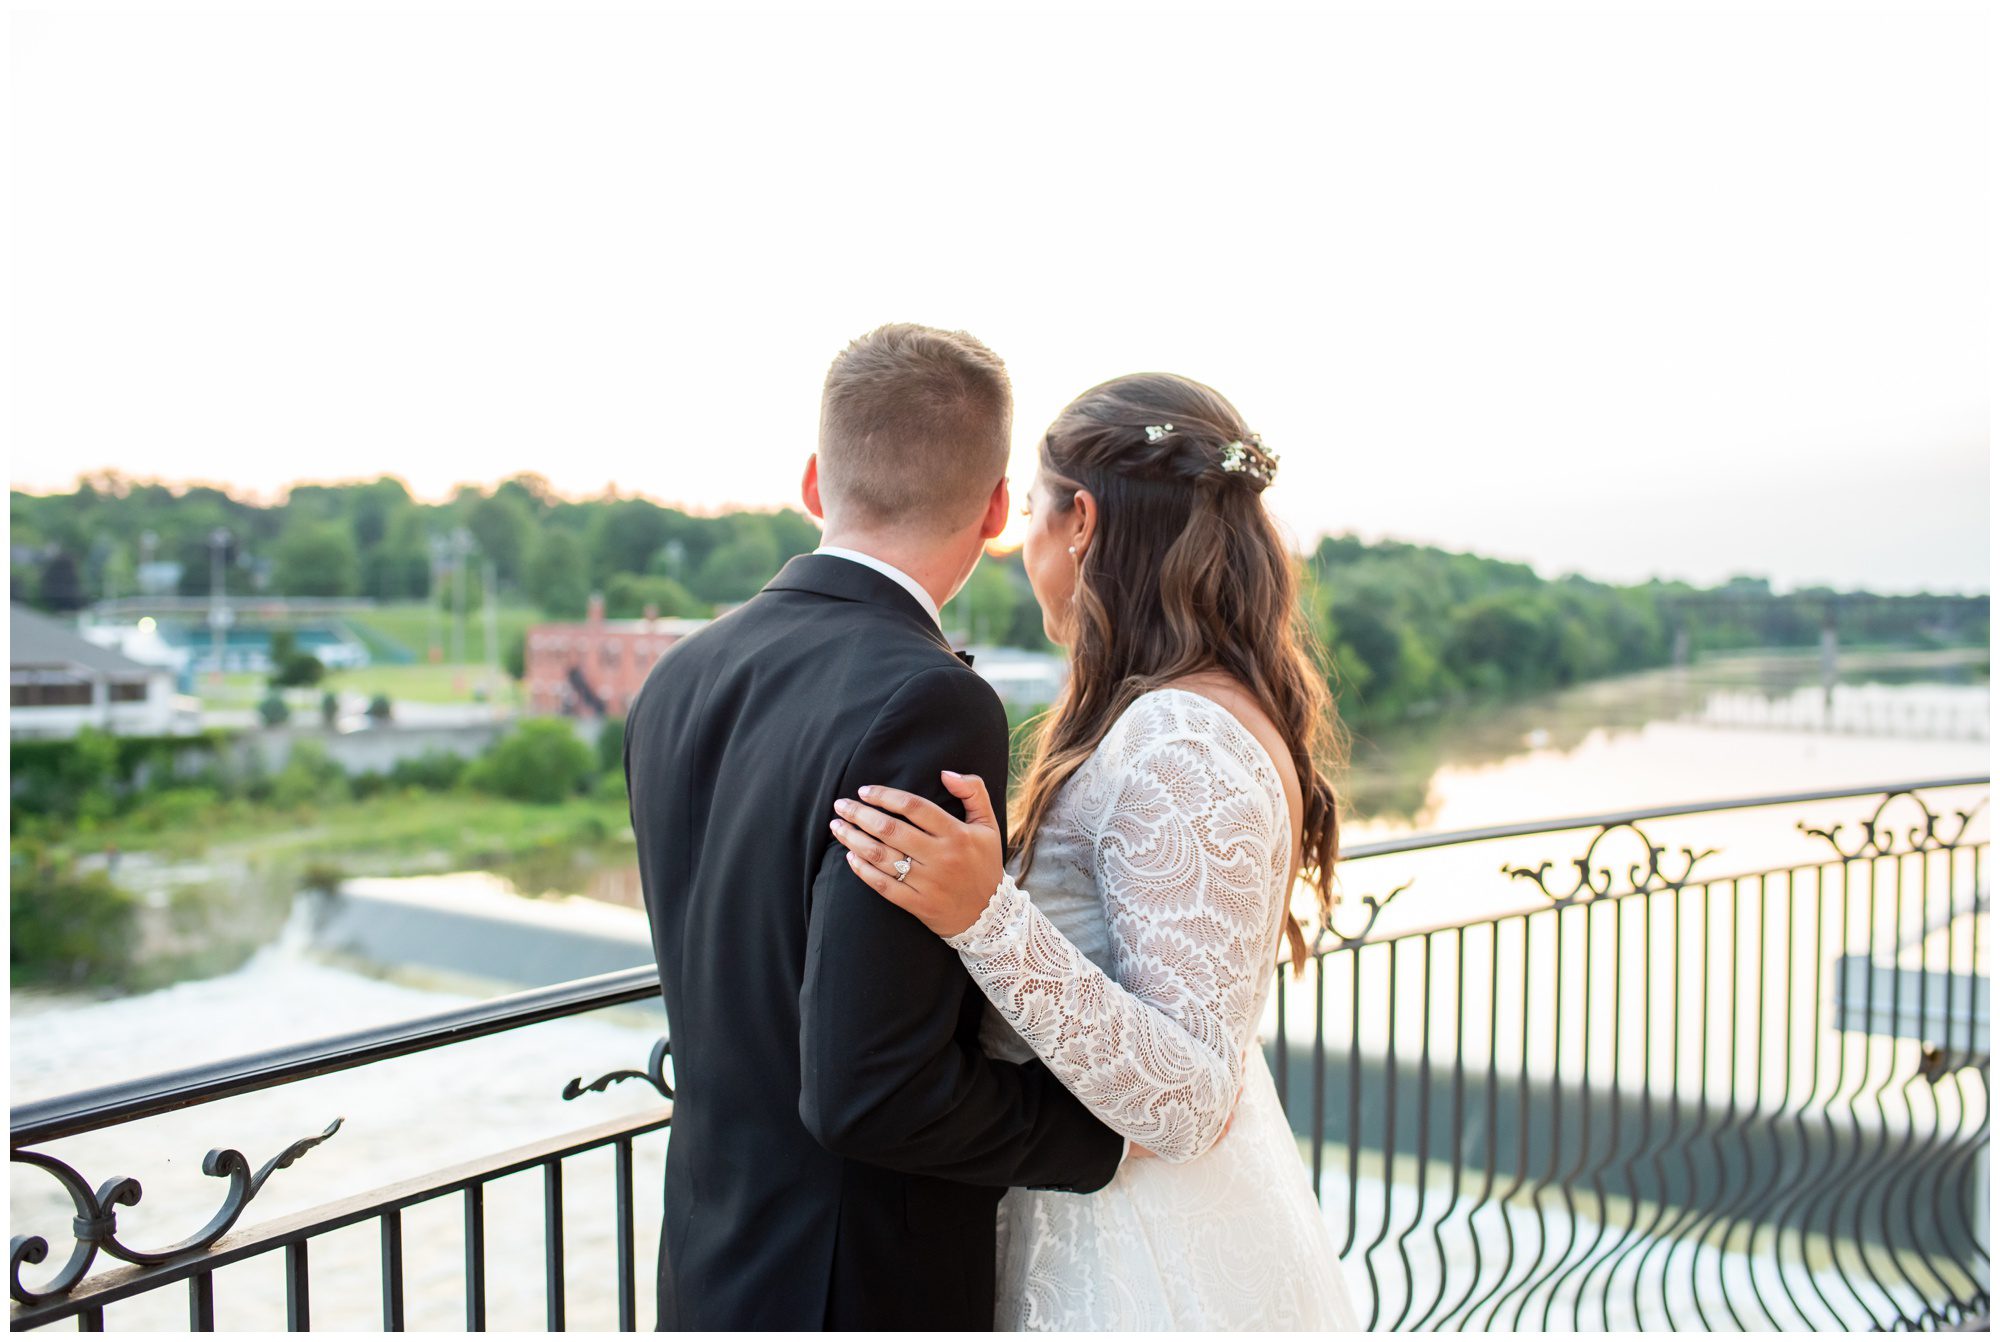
376, 750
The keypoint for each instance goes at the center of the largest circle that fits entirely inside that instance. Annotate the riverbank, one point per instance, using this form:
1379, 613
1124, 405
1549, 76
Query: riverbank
198, 891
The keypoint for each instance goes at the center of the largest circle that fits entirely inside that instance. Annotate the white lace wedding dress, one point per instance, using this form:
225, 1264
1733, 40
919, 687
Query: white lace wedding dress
1135, 963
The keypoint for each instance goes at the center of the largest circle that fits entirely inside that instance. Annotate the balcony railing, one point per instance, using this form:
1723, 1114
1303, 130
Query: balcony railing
1557, 1074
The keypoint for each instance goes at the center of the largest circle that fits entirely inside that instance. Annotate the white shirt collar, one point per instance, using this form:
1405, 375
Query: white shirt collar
891, 572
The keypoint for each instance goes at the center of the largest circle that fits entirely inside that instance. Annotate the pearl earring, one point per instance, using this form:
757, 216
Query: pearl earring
1072, 549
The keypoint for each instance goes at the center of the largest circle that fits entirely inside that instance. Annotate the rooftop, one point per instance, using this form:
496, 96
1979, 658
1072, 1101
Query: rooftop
37, 640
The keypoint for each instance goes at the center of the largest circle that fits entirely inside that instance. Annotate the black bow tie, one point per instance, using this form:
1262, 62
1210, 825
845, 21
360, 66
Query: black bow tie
963, 656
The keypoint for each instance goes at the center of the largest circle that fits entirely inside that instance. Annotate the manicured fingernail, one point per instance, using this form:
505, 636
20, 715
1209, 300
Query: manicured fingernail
952, 773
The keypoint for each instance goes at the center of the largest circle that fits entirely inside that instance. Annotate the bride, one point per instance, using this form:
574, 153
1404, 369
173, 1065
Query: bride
1129, 938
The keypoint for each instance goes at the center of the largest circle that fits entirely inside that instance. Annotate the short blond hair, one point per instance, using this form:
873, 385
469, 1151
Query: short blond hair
914, 428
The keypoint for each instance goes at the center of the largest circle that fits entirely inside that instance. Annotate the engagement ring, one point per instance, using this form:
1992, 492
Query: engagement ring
902, 868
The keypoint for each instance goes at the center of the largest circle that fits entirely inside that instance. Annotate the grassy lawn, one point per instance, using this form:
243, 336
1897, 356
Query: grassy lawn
382, 834
438, 684
412, 625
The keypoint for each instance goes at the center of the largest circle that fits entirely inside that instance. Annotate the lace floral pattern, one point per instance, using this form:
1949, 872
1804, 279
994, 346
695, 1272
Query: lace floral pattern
1182, 815
1192, 845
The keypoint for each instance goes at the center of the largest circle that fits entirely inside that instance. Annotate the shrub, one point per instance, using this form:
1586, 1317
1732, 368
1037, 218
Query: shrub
322, 877
291, 665
379, 708
539, 761
434, 771
274, 710
68, 928
179, 809
310, 775
611, 746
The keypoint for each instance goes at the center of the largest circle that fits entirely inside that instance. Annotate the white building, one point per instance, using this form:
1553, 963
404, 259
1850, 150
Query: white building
62, 683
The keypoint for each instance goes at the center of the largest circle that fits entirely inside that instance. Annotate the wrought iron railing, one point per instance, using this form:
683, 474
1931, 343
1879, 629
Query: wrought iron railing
1655, 1097
1556, 1074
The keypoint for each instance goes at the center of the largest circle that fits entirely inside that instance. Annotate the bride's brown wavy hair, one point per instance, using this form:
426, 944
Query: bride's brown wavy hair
1186, 573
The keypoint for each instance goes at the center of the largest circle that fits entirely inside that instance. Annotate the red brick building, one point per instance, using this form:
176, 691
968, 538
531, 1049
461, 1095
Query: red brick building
593, 669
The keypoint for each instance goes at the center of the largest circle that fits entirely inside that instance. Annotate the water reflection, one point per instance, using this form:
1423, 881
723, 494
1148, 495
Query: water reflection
1653, 738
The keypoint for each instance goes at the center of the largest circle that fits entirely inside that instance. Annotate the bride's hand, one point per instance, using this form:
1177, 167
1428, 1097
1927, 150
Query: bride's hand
954, 867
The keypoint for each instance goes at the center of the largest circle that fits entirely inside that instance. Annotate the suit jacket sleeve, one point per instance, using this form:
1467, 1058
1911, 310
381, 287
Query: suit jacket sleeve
888, 1076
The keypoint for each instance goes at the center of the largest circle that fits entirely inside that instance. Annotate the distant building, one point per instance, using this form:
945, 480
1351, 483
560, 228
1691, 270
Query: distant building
594, 668
62, 683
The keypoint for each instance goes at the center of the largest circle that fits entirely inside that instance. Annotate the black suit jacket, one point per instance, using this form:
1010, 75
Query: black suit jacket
839, 1142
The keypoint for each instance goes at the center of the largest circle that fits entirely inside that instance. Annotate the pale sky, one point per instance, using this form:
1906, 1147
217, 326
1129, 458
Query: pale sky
1621, 290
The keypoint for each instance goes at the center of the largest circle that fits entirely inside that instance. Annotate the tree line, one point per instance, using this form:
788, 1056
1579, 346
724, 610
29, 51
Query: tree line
1408, 628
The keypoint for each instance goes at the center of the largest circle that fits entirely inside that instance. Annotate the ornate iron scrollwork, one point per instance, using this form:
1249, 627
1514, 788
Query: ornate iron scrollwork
96, 1223
1595, 882
1916, 838
1331, 937
655, 1076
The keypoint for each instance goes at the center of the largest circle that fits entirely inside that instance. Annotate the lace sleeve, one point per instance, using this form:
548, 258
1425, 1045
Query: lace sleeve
1189, 855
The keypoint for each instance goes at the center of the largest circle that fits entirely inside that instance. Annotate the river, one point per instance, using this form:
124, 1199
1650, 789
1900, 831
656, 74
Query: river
1736, 726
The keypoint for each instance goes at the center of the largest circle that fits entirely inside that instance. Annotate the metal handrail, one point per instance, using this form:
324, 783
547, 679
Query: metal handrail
163, 1092
1417, 842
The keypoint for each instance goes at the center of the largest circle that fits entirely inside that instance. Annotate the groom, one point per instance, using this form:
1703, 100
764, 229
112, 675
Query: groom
840, 1142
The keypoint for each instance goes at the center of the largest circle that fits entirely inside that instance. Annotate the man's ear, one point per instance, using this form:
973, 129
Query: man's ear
809, 488
995, 520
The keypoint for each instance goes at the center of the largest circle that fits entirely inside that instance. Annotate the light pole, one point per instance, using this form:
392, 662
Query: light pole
490, 582
461, 546
218, 604
436, 651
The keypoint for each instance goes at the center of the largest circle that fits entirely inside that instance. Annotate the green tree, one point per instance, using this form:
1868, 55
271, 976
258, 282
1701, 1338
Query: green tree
399, 568
539, 761
62, 583
317, 559
558, 579
736, 569
375, 508
984, 607
291, 665
625, 536
505, 529
627, 596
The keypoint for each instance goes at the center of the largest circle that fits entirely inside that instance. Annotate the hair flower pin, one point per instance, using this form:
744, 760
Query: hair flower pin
1157, 432
1238, 456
